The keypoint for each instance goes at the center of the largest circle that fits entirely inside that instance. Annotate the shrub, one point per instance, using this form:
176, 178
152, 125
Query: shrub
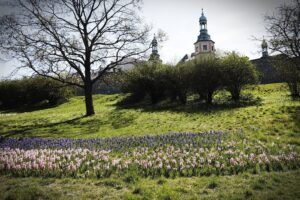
147, 78
178, 82
32, 91
237, 71
205, 77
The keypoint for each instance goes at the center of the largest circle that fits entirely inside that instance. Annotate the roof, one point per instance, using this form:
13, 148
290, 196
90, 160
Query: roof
204, 36
202, 19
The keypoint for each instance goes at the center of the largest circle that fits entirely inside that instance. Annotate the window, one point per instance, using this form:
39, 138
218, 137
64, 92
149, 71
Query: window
212, 48
196, 49
205, 47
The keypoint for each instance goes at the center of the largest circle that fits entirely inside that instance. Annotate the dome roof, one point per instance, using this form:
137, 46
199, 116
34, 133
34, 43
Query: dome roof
204, 36
154, 41
202, 18
264, 44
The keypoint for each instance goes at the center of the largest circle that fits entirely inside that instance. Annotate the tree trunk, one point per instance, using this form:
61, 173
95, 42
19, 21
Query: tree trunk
88, 86
154, 98
209, 97
201, 97
294, 89
88, 99
182, 98
235, 95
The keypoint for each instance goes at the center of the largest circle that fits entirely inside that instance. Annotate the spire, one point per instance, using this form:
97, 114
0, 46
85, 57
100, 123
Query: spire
264, 44
154, 55
264, 47
202, 20
204, 44
204, 36
154, 45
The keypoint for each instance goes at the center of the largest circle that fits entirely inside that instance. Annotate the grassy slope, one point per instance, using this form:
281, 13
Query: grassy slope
284, 185
276, 117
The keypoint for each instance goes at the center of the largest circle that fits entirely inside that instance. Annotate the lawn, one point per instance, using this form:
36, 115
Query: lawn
269, 120
272, 185
274, 117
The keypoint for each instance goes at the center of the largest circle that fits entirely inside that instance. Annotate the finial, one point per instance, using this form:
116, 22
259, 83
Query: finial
202, 12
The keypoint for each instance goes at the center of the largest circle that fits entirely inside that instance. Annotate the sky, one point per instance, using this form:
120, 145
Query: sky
232, 25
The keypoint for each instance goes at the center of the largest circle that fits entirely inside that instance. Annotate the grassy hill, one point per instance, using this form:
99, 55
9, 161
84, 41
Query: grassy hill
273, 116
269, 117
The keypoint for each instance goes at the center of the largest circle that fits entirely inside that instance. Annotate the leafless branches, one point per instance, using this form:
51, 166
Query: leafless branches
67, 40
284, 29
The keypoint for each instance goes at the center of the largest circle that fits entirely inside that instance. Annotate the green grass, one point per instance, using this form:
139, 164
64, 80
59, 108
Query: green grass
275, 117
273, 185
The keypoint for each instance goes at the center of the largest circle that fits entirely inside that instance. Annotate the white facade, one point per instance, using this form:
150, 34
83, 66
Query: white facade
204, 47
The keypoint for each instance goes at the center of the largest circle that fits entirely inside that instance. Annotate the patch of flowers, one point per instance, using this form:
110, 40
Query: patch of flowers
166, 158
116, 143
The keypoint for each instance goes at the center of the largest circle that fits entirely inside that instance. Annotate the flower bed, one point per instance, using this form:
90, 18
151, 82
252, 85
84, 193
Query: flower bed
115, 143
164, 155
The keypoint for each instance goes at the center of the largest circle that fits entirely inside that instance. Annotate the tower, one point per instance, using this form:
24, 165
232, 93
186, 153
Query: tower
154, 55
264, 47
204, 44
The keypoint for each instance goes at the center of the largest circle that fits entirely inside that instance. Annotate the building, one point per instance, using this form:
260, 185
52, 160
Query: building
265, 66
264, 47
154, 55
204, 44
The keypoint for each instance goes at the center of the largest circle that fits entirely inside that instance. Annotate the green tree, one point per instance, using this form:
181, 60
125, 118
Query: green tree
147, 78
237, 71
32, 91
206, 76
178, 82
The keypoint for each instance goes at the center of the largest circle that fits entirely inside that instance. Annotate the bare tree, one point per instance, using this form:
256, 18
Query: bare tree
289, 72
284, 29
75, 41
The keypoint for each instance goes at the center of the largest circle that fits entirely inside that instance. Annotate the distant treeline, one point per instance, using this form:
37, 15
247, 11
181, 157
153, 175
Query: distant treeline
33, 91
